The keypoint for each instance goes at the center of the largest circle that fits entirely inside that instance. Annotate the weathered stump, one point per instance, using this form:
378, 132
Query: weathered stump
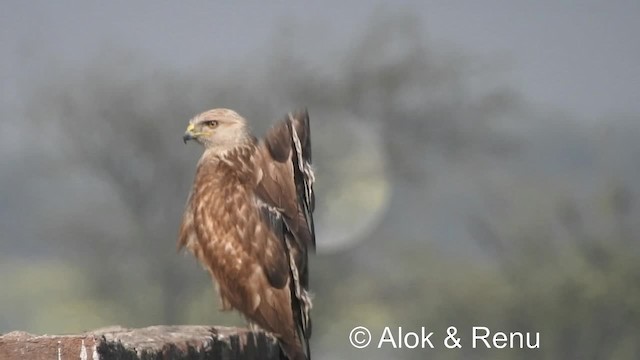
155, 342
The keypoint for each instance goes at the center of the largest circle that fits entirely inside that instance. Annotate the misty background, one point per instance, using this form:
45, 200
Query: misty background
476, 164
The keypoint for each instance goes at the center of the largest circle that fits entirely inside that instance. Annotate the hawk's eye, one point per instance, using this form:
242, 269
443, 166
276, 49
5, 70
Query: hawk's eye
211, 123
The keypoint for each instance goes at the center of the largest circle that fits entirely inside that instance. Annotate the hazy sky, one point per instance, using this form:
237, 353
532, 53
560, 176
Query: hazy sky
580, 56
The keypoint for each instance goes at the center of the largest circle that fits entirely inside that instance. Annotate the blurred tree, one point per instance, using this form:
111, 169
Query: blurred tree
116, 177
571, 281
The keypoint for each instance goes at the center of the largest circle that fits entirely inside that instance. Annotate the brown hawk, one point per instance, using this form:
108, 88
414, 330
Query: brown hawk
248, 220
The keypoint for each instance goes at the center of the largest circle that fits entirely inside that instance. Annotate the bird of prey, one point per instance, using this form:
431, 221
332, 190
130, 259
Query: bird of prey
248, 220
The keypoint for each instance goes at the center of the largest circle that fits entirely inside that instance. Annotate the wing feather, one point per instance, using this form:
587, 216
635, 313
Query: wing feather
271, 254
287, 181
285, 189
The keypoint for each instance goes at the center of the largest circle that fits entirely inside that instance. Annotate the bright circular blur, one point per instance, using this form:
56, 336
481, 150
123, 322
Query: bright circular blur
352, 185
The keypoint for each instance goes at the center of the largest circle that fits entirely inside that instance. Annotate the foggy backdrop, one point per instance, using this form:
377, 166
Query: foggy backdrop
476, 164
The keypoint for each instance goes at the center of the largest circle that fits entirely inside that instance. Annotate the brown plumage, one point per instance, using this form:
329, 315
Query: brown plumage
249, 221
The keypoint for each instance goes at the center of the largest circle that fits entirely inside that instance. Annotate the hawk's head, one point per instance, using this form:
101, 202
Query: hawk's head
217, 128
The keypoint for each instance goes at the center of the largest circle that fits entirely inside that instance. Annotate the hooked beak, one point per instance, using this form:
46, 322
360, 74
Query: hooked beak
189, 133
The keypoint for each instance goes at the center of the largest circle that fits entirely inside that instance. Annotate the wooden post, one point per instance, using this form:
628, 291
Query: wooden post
151, 343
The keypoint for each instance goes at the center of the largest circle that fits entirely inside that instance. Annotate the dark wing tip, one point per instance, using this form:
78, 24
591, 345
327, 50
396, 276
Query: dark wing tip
274, 266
